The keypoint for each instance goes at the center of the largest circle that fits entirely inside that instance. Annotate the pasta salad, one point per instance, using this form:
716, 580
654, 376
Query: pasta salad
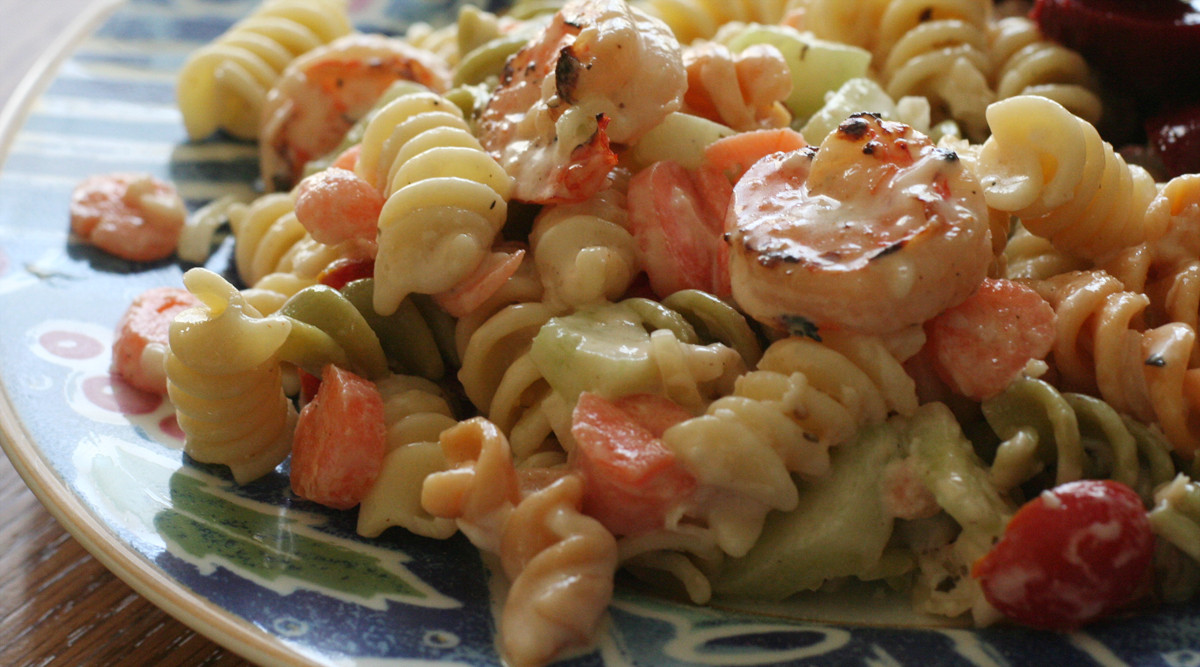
751, 298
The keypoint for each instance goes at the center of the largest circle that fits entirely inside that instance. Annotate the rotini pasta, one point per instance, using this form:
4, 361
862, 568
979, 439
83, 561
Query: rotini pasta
224, 379
561, 563
804, 398
440, 186
939, 50
224, 84
275, 256
745, 91
1085, 436
690, 20
1028, 64
1051, 169
584, 252
416, 414
1101, 348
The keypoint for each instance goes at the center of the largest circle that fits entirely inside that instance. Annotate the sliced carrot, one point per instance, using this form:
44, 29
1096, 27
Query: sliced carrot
631, 478
337, 205
677, 217
734, 154
491, 274
145, 326
340, 441
980, 345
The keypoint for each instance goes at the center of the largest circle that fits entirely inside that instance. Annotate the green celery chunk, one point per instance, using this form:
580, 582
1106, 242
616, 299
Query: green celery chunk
603, 349
839, 529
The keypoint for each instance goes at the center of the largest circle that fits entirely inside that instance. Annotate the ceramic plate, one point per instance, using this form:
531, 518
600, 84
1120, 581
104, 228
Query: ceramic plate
275, 579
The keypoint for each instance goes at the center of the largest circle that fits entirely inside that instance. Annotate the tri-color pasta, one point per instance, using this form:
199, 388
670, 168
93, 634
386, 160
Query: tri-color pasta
586, 295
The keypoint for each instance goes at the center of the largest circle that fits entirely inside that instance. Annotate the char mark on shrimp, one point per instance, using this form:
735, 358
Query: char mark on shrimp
566, 74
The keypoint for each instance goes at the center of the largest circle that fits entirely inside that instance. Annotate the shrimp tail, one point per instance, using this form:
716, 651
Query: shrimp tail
590, 163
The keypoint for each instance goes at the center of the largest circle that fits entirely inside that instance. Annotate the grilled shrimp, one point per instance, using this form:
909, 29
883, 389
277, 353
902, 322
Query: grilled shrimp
875, 231
324, 92
601, 73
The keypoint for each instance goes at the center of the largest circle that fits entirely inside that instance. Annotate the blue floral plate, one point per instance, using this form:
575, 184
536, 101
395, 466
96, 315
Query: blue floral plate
273, 578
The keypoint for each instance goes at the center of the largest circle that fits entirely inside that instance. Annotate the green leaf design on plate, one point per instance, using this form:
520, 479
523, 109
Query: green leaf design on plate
281, 549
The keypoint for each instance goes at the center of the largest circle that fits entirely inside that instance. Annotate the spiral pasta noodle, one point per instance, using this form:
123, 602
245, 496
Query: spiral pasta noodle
834, 20
1101, 346
446, 197
939, 50
1053, 171
274, 255
499, 376
690, 20
1032, 257
229, 401
224, 84
561, 564
479, 487
1087, 438
1028, 64
416, 413
804, 398
584, 252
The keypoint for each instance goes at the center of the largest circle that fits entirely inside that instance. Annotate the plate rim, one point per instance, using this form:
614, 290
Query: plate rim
68, 509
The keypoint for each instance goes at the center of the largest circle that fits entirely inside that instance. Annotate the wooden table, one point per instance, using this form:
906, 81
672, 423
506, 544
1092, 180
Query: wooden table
58, 604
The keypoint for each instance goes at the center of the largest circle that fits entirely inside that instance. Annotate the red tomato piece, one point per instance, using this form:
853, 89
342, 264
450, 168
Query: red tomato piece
631, 478
1175, 135
980, 345
340, 441
677, 217
1073, 554
342, 272
147, 323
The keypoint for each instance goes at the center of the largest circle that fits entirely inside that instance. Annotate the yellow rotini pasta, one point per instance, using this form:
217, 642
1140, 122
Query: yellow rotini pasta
274, 255
224, 379
804, 398
1028, 64
500, 377
584, 252
690, 20
446, 197
1103, 348
416, 413
1052, 170
939, 50
224, 84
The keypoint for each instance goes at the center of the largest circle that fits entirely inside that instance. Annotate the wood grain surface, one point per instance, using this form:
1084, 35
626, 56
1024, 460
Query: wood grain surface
58, 604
